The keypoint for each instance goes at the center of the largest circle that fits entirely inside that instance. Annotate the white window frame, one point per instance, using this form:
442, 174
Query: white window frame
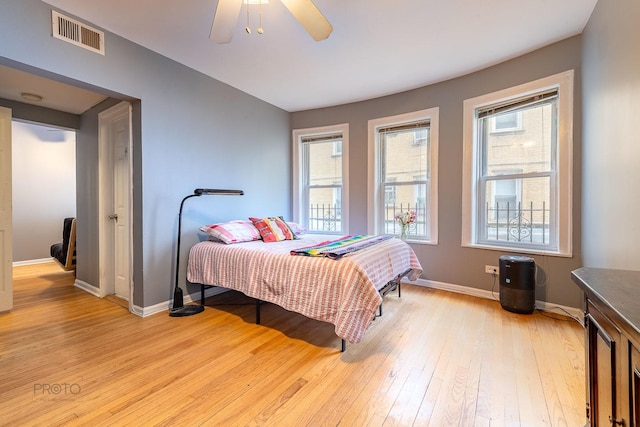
376, 190
300, 211
563, 195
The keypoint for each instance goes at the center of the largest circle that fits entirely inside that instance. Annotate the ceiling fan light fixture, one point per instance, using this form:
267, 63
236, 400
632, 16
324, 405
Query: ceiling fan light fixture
31, 97
305, 12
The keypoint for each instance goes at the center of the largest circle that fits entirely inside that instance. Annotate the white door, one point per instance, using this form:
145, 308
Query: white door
115, 200
6, 257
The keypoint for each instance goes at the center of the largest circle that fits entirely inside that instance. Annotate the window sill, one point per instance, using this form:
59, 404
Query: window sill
520, 250
418, 242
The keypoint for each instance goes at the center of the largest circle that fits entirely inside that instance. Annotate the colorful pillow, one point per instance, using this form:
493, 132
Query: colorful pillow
297, 229
273, 229
232, 231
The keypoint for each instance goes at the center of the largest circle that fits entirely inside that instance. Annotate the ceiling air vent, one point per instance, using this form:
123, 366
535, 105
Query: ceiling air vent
75, 32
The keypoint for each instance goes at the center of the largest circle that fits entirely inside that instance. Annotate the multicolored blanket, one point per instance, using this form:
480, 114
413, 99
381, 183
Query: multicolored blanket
336, 249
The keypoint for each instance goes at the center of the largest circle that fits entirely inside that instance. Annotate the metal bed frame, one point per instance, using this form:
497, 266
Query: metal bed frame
389, 287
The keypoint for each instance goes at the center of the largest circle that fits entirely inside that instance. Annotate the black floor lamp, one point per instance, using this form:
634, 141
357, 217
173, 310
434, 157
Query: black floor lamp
179, 309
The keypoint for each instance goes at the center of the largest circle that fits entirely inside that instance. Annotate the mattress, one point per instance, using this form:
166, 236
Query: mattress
342, 292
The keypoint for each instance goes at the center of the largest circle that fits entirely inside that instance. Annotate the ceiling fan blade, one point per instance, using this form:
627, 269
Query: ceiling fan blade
224, 21
310, 18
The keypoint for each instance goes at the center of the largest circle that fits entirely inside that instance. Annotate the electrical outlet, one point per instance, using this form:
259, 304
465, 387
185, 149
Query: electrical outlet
490, 269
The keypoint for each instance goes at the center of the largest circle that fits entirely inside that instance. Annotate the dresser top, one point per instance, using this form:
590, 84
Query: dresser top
617, 290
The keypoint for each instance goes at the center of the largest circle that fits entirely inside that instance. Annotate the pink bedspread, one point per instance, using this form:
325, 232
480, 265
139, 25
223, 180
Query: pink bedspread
343, 292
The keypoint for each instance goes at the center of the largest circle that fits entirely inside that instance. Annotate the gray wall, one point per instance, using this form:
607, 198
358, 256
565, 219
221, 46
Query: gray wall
611, 150
449, 262
192, 131
44, 187
37, 114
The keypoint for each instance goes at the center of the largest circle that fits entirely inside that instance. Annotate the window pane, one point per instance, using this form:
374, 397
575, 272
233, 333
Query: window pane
407, 198
405, 172
529, 149
507, 122
325, 167
404, 156
325, 213
517, 210
421, 136
337, 148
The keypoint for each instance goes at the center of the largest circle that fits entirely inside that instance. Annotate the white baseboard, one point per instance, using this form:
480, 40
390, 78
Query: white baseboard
576, 313
152, 309
138, 311
164, 306
148, 311
87, 288
32, 262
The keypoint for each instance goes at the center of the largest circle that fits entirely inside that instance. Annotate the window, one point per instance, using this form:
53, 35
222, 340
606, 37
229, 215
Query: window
403, 174
337, 148
420, 136
517, 168
320, 178
390, 194
506, 122
506, 195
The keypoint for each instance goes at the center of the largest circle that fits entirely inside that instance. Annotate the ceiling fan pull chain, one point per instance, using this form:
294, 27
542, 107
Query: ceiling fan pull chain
260, 30
247, 28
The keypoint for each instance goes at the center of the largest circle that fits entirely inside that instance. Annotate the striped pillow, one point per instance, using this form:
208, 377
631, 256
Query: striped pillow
273, 229
299, 230
232, 231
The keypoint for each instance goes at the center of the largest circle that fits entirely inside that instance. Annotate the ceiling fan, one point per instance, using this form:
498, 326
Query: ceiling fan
307, 14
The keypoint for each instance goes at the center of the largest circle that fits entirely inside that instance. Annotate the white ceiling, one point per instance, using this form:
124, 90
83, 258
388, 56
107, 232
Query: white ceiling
376, 48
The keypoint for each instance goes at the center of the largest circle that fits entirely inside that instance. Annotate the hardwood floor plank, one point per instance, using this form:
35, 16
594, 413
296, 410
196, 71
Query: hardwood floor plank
399, 326
531, 404
453, 365
561, 374
434, 358
380, 394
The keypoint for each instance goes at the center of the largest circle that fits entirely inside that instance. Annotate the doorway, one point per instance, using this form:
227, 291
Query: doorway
76, 108
115, 202
43, 188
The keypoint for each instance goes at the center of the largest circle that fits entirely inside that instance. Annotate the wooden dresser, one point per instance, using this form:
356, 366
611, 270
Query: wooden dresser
612, 325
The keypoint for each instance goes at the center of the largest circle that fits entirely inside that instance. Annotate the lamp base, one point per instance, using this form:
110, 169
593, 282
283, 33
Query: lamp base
186, 310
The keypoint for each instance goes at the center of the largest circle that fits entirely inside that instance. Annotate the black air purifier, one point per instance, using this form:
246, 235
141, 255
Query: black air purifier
517, 284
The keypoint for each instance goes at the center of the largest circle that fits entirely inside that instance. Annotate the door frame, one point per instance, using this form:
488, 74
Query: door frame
6, 220
105, 202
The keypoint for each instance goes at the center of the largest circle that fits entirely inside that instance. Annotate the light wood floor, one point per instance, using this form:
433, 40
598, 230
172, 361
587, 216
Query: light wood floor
434, 359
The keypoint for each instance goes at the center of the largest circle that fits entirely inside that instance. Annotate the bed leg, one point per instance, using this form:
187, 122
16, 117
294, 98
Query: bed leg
201, 294
343, 346
257, 312
380, 310
399, 282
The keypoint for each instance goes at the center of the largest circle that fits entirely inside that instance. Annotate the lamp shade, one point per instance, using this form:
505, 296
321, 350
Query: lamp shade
217, 192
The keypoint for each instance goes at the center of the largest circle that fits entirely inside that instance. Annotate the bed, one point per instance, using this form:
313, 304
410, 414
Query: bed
346, 292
